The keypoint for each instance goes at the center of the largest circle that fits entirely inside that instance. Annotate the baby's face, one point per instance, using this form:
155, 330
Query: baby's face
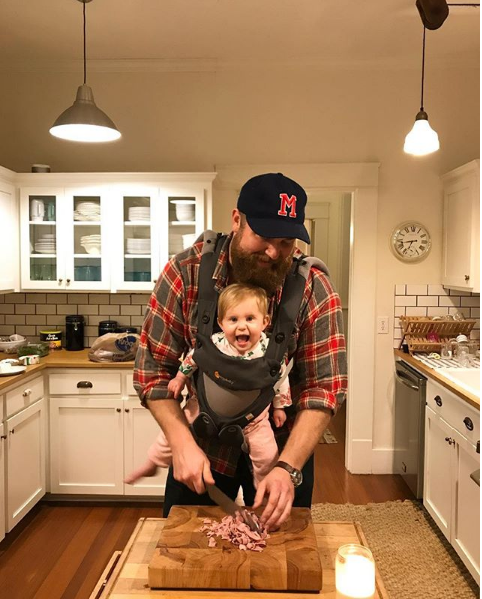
243, 324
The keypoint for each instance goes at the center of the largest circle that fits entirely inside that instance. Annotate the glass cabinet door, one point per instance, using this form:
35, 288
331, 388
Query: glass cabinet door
185, 219
42, 262
86, 245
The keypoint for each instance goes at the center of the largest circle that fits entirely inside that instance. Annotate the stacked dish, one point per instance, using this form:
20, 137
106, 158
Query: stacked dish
46, 244
138, 246
139, 213
184, 209
87, 211
91, 244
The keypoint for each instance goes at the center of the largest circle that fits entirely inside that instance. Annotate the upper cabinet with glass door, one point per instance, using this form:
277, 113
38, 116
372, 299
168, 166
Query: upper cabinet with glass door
62, 246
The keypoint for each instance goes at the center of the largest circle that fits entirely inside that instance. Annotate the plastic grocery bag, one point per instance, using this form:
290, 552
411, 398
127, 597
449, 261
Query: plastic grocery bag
114, 347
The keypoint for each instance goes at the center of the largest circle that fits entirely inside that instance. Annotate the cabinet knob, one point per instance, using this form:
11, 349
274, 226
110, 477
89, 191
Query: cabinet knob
469, 424
467, 277
127, 410
67, 281
27, 392
438, 400
3, 436
84, 385
12, 431
450, 441
60, 281
118, 410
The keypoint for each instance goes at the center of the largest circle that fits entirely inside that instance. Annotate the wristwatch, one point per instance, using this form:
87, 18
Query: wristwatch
295, 475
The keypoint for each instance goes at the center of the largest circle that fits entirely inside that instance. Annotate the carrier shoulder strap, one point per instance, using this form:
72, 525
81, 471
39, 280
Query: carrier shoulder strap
207, 295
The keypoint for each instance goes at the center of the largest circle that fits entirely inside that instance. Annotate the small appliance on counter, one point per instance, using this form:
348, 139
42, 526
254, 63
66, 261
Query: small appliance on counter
107, 326
74, 332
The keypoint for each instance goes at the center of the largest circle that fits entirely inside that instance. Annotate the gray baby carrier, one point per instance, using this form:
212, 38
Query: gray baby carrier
231, 391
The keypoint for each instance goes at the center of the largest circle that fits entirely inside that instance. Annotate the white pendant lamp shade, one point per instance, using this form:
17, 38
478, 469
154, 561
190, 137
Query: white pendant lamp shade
83, 121
422, 139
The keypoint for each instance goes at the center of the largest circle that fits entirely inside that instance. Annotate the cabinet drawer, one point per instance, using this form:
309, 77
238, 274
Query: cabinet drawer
24, 395
460, 415
85, 383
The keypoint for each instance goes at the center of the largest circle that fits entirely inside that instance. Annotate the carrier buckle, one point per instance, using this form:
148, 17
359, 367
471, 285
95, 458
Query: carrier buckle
231, 434
204, 426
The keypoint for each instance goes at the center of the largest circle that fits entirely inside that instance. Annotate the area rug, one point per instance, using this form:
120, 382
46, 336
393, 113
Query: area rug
327, 437
413, 557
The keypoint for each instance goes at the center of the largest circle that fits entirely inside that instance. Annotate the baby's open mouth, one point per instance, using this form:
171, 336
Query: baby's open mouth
242, 338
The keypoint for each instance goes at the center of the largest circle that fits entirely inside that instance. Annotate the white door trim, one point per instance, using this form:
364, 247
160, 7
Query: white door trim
361, 180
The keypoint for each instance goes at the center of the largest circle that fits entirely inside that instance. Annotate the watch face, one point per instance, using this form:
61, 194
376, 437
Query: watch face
410, 242
296, 477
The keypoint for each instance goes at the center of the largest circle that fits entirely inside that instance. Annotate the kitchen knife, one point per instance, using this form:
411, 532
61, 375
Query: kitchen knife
230, 507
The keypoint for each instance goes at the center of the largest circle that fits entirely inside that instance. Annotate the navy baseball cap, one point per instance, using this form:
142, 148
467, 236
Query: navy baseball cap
274, 206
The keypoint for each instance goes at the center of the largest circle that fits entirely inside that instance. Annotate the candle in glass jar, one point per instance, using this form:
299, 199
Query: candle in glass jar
355, 573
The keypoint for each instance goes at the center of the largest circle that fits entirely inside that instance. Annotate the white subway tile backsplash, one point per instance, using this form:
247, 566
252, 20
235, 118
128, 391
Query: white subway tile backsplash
473, 301
436, 290
450, 301
415, 311
427, 300
405, 300
400, 289
437, 311
29, 313
417, 289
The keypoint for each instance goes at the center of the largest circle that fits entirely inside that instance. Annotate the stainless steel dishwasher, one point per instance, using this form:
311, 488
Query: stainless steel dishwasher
410, 391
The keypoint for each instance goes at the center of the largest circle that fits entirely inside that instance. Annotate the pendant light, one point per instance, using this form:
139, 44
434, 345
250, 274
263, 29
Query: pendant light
83, 121
422, 139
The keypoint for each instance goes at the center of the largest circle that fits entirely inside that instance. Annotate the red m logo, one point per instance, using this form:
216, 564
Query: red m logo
287, 202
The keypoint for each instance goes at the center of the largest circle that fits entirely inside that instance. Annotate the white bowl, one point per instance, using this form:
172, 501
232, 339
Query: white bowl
10, 347
185, 212
92, 249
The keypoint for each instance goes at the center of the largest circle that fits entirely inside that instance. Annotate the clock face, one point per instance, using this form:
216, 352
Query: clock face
410, 242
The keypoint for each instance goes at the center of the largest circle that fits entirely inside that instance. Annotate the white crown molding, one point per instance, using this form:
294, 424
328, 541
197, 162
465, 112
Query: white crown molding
212, 65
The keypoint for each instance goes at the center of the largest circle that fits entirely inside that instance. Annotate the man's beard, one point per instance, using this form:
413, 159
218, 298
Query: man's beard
246, 268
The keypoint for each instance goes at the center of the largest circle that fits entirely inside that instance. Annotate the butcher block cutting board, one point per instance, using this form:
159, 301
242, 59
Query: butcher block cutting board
183, 560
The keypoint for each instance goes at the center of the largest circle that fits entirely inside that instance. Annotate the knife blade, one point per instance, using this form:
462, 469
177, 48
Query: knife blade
230, 507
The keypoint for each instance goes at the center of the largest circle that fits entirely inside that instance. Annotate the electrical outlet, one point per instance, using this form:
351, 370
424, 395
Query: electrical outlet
383, 324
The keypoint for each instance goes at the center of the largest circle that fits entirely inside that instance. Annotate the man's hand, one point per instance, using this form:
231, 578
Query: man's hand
278, 487
191, 467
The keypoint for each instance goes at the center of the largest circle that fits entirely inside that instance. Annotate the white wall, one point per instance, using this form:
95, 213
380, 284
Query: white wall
194, 121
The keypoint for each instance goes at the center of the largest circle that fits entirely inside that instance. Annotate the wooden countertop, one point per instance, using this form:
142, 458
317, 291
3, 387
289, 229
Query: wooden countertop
60, 359
434, 374
126, 574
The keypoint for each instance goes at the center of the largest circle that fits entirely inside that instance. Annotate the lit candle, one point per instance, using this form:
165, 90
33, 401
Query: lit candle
354, 572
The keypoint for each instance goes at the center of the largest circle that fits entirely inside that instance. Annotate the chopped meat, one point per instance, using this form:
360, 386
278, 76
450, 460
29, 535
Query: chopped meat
234, 530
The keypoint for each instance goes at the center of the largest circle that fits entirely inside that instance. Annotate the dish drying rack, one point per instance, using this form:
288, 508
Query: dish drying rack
415, 330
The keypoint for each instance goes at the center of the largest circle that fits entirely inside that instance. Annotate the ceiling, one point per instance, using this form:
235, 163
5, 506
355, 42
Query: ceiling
336, 33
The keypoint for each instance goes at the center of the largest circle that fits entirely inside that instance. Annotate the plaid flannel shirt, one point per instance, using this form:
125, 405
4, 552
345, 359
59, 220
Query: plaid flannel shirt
318, 379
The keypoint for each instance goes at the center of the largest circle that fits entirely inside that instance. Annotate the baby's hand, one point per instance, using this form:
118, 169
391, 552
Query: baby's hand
175, 386
279, 417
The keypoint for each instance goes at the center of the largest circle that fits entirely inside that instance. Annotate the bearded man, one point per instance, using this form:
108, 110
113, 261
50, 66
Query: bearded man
260, 250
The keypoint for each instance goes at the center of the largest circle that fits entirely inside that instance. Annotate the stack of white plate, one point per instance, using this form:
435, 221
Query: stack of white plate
185, 209
87, 211
91, 244
139, 213
138, 246
46, 244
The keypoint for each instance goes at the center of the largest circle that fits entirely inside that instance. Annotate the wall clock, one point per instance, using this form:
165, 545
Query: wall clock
410, 241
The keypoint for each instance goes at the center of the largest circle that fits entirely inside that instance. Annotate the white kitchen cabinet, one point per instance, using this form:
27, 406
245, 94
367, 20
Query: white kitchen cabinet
98, 435
451, 496
9, 234
139, 219
63, 232
3, 498
26, 461
461, 228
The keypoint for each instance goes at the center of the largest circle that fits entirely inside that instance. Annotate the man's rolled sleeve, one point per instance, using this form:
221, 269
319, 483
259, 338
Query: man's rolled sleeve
162, 338
320, 378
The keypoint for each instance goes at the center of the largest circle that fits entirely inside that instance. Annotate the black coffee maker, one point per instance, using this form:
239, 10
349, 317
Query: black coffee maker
74, 332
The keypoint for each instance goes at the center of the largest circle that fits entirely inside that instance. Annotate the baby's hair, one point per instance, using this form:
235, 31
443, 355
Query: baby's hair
237, 292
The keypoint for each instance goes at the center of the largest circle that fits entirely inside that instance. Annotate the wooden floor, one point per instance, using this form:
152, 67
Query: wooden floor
59, 551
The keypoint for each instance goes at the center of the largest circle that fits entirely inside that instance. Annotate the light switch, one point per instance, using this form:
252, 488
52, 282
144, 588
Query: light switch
383, 324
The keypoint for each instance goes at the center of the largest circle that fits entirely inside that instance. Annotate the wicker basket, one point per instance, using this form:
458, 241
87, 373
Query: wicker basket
416, 328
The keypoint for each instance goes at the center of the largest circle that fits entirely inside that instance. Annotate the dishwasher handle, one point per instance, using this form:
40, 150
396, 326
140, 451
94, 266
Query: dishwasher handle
406, 380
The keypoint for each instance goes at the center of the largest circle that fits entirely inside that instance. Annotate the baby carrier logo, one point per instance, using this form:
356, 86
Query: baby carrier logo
220, 376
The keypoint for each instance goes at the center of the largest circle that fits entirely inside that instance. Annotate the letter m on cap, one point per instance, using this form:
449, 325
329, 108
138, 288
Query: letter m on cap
287, 202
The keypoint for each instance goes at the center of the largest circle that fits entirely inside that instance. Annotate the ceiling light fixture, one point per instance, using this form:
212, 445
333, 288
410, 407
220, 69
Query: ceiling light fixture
84, 121
422, 139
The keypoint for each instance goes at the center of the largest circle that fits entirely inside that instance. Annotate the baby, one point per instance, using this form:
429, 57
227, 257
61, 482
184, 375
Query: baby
243, 317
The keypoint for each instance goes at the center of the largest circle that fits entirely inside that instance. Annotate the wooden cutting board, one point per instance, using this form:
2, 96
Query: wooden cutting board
183, 560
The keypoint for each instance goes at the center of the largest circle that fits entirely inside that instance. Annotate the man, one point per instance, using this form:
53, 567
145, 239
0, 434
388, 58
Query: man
268, 219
